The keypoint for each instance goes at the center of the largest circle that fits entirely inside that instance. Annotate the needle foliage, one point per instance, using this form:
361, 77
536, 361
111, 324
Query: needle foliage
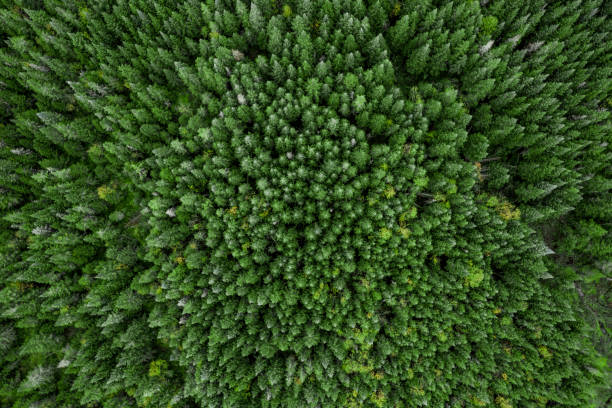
305, 203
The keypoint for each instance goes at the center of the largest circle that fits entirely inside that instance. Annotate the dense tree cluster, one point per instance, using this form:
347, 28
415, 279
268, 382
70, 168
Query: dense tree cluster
304, 203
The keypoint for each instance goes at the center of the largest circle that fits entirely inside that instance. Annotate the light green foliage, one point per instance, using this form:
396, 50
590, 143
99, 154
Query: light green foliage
489, 25
157, 367
474, 277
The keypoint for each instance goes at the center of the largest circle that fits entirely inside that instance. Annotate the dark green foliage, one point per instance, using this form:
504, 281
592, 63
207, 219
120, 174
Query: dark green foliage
313, 203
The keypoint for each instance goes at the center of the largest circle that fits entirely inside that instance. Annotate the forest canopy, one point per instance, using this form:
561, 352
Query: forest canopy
305, 203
